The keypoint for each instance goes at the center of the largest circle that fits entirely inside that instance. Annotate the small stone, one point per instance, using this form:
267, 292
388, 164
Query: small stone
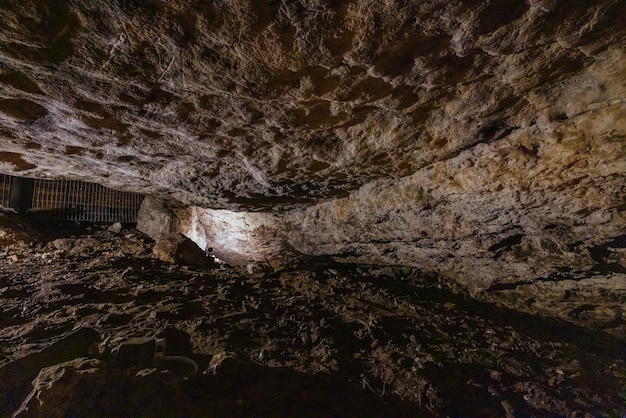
508, 409
146, 372
116, 228
13, 258
226, 364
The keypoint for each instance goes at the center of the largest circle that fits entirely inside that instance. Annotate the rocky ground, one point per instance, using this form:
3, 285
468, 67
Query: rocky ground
308, 339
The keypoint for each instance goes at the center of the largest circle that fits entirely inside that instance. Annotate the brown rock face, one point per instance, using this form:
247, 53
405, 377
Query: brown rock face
58, 387
480, 139
89, 387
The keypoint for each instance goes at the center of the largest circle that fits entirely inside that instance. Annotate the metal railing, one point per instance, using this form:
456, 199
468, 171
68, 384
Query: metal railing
73, 200
5, 191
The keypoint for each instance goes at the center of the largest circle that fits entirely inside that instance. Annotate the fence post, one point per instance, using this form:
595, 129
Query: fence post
21, 197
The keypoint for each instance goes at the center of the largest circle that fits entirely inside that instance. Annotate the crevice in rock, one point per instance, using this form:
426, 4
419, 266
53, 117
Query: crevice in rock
506, 244
602, 253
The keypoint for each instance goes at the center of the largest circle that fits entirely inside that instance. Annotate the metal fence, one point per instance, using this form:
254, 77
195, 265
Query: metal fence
5, 191
75, 201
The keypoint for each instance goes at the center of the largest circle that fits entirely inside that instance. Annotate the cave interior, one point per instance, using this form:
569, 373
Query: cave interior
276, 208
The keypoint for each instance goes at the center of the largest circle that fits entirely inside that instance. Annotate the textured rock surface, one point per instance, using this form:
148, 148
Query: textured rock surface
331, 340
269, 104
90, 387
549, 197
178, 249
65, 389
480, 139
234, 237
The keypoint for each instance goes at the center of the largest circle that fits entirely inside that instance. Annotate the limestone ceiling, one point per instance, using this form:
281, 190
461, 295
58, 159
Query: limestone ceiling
275, 104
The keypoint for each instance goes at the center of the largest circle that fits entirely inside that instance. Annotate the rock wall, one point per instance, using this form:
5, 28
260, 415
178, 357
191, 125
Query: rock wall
541, 199
237, 238
535, 220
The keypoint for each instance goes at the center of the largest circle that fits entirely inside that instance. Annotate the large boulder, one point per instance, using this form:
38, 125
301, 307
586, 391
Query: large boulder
66, 389
86, 387
178, 249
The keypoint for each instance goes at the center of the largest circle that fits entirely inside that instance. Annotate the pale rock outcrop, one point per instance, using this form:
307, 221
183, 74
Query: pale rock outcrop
165, 221
234, 237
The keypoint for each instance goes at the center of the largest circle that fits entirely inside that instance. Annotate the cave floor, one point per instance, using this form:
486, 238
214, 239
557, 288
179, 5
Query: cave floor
318, 339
